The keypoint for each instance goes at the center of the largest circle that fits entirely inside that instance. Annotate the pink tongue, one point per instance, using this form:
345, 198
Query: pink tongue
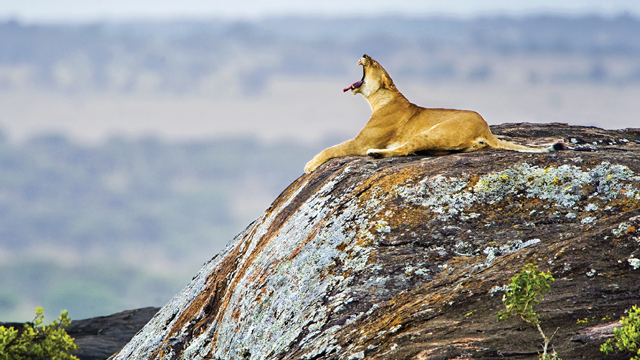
355, 85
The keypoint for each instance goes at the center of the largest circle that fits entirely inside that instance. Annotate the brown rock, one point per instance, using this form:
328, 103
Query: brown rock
405, 258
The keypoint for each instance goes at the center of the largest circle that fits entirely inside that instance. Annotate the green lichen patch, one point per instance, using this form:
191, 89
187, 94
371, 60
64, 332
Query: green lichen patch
566, 188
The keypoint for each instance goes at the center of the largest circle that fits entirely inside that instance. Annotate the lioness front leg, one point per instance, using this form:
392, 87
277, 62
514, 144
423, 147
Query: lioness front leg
350, 147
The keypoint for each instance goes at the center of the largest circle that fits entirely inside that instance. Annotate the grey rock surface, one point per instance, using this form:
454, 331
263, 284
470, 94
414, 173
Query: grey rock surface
100, 337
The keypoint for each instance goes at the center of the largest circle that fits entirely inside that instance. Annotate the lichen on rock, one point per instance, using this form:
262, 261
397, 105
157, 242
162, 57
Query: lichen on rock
560, 187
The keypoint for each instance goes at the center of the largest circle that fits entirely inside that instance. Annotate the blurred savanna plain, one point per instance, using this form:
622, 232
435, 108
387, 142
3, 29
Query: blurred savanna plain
132, 152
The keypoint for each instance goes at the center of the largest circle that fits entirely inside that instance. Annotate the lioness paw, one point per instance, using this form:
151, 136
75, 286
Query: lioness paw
310, 167
375, 153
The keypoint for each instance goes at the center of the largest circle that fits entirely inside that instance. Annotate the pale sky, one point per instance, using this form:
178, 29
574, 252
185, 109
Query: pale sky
92, 10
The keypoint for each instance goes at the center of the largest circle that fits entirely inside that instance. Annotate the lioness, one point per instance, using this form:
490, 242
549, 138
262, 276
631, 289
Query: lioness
398, 127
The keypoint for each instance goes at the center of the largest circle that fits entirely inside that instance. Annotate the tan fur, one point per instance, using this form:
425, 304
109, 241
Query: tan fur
399, 128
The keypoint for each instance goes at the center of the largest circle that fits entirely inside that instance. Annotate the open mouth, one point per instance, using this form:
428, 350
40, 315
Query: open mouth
356, 84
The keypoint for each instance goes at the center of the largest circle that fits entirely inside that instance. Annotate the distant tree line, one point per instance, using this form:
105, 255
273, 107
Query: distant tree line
187, 56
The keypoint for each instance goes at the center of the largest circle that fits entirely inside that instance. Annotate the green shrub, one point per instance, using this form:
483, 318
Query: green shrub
626, 338
38, 341
524, 291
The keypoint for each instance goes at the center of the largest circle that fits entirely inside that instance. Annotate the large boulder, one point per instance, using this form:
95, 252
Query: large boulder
406, 258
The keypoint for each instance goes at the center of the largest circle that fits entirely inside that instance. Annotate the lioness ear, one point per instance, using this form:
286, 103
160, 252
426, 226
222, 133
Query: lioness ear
387, 83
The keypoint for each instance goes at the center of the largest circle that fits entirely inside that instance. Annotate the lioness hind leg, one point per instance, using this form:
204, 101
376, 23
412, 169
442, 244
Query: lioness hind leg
436, 139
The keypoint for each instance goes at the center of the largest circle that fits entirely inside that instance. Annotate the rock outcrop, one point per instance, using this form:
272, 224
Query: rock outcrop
406, 258
98, 338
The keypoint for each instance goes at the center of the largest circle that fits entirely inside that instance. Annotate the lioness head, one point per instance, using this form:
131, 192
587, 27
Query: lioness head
374, 78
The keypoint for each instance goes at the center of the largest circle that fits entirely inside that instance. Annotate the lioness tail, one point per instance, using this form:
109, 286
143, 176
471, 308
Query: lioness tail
507, 145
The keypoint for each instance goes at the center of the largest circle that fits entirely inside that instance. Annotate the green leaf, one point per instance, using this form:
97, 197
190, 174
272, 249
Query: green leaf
38, 341
626, 338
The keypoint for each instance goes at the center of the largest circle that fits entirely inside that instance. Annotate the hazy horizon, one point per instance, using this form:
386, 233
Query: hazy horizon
74, 11
161, 78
